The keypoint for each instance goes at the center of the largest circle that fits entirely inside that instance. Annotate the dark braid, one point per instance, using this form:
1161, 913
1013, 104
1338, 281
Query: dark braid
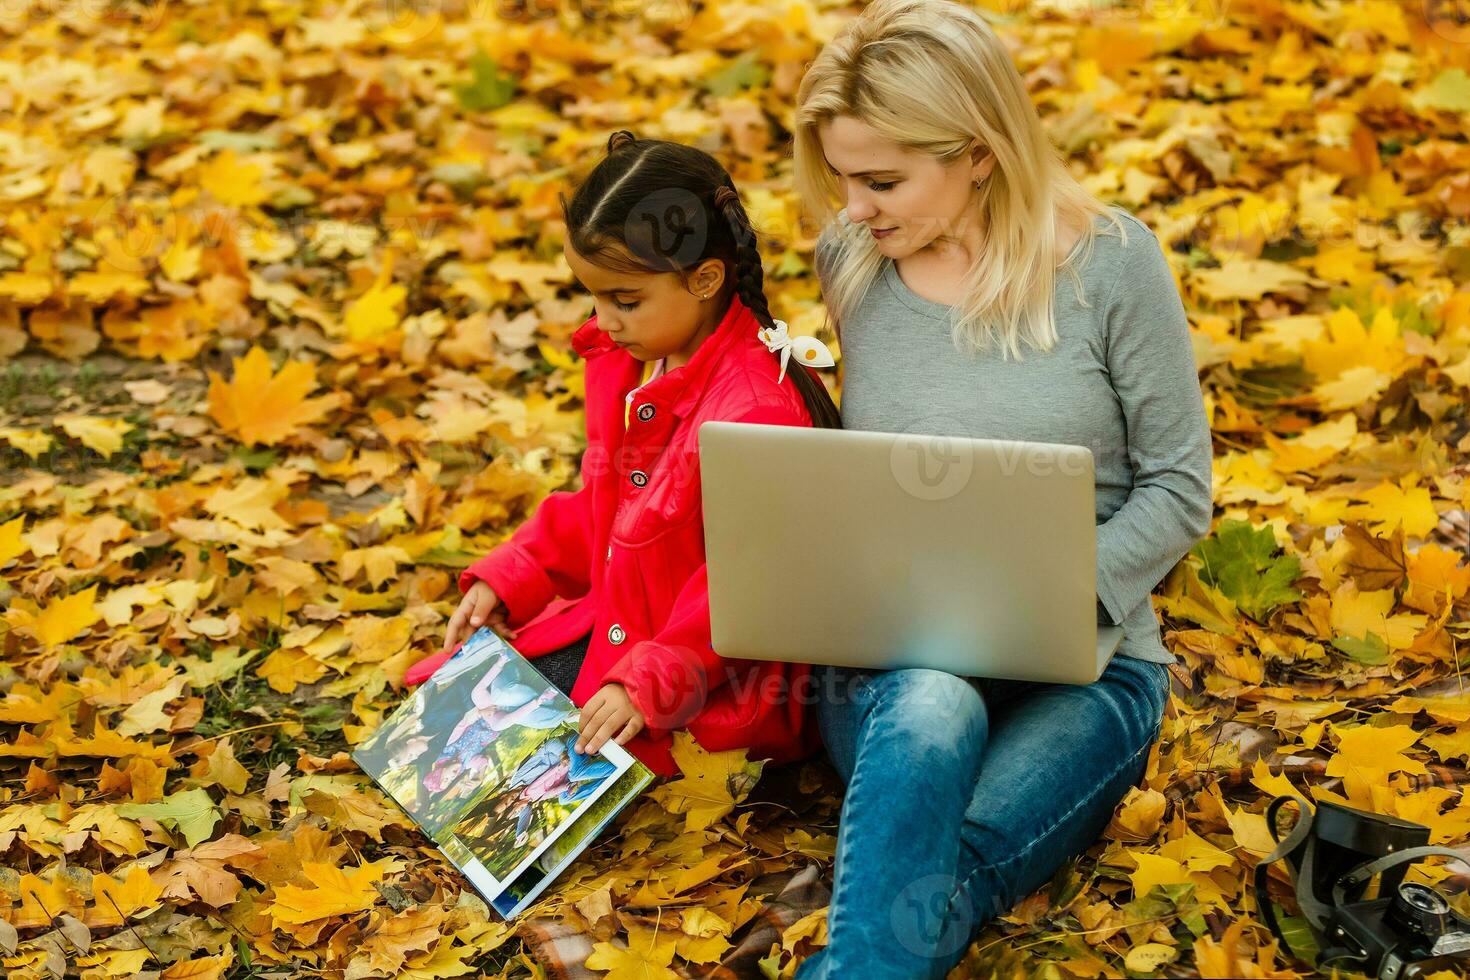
750, 287
657, 206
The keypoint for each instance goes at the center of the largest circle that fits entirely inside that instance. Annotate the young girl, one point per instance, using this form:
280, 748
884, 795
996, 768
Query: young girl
681, 334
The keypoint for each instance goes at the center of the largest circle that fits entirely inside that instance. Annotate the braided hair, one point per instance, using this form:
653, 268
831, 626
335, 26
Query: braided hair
656, 205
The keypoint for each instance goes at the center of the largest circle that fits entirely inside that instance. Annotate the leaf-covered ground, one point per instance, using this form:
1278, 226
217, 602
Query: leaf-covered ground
285, 319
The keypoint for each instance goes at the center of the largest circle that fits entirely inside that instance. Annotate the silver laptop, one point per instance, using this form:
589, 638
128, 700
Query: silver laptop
886, 550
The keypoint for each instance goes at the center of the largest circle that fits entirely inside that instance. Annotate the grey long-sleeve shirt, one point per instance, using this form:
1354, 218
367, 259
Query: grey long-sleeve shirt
1121, 381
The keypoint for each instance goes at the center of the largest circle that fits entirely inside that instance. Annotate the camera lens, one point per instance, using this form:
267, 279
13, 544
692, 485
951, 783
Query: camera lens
1420, 909
1420, 896
1423, 898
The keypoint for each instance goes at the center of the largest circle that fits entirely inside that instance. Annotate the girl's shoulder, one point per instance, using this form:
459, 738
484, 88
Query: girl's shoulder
744, 389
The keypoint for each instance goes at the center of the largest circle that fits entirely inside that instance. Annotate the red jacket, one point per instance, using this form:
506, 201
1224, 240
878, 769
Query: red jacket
625, 553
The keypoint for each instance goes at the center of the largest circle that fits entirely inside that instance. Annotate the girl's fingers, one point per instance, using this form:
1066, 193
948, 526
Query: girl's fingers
589, 724
597, 729
452, 631
629, 730
604, 729
457, 623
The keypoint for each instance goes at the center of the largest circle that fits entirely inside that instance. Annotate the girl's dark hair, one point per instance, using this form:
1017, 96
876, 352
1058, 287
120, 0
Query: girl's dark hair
657, 206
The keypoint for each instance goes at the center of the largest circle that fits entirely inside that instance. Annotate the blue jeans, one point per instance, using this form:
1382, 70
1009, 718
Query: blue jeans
964, 795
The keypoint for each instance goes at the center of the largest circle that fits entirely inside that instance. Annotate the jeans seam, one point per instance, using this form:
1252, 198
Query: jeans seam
964, 886
832, 918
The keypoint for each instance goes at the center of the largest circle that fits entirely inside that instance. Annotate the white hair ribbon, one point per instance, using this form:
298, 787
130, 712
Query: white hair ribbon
809, 350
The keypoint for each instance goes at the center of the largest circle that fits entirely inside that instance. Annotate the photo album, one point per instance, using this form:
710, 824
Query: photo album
481, 755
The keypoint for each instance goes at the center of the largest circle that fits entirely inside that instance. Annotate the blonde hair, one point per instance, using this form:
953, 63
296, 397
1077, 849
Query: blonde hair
933, 77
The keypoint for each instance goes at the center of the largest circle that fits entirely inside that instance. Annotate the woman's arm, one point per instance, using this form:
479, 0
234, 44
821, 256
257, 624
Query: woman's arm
481, 692
504, 720
469, 717
1150, 359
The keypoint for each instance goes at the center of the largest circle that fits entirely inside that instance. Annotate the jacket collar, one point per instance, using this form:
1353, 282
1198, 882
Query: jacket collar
678, 390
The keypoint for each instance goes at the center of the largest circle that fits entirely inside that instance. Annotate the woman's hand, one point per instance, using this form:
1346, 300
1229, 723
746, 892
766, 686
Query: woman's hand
607, 713
479, 607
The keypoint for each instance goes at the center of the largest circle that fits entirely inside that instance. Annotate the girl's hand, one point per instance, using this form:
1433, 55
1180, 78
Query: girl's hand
479, 607
607, 713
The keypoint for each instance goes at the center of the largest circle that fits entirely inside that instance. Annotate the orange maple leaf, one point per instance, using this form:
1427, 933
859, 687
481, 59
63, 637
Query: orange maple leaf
260, 407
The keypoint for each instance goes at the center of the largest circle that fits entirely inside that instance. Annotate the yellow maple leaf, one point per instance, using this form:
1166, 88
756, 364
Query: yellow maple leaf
181, 262
1314, 446
102, 436
260, 407
540, 280
231, 181
1436, 576
41, 901
98, 287
66, 617
812, 926
116, 901
574, 377
1271, 783
221, 768
1250, 831
1454, 745
1349, 344
336, 893
444, 960
711, 784
11, 546
1138, 816
376, 638
1356, 613
116, 833
1246, 279
27, 704
32, 442
203, 968
105, 743
1368, 754
284, 669
1195, 853
28, 288
250, 503
378, 310
1343, 263
114, 962
1389, 505
379, 563
1154, 869
1351, 388
174, 332
646, 957
147, 714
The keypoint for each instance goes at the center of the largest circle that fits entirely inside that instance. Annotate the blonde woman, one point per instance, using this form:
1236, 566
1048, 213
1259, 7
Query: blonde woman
979, 291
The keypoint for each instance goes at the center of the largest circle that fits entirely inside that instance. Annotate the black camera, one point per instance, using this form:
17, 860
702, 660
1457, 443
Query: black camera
1408, 930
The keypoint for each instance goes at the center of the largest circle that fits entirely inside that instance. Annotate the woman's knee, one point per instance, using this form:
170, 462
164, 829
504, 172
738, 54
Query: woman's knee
933, 709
